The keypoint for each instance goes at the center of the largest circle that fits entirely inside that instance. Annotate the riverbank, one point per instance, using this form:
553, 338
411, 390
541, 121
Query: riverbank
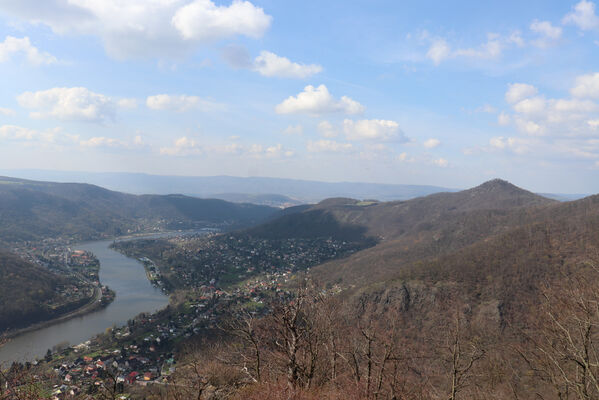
94, 304
134, 295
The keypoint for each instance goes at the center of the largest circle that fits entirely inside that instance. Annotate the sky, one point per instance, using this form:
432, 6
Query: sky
419, 92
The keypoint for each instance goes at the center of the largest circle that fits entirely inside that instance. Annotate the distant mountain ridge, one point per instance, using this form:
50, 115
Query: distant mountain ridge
388, 220
229, 187
31, 210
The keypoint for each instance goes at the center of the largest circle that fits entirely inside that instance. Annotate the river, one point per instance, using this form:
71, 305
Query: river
134, 295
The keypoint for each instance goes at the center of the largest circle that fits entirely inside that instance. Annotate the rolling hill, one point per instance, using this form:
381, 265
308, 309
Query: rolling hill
24, 290
31, 210
268, 191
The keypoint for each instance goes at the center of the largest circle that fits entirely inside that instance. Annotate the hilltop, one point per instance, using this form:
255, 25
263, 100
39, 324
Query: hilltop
32, 210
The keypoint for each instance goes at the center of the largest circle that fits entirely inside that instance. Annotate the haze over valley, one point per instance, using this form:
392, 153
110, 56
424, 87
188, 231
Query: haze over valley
274, 200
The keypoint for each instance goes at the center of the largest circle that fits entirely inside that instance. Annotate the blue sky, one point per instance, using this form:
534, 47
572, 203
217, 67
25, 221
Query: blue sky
424, 92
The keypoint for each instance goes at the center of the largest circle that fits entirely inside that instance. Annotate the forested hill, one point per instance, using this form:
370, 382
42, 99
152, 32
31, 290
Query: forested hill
24, 290
31, 210
343, 217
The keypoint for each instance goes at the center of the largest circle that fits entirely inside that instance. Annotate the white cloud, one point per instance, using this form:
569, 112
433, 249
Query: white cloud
180, 103
373, 129
276, 151
183, 146
516, 38
515, 145
489, 50
593, 123
327, 130
519, 91
546, 29
19, 133
145, 28
533, 105
503, 119
294, 130
203, 20
438, 51
529, 127
7, 111
574, 106
405, 157
317, 101
272, 65
329, 146
431, 143
583, 16
127, 103
138, 141
77, 103
13, 45
586, 86
101, 141
441, 162
563, 127
498, 142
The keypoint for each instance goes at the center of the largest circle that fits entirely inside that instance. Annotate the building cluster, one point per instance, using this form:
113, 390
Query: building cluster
224, 260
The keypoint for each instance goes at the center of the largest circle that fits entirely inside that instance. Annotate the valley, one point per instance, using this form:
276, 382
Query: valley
375, 298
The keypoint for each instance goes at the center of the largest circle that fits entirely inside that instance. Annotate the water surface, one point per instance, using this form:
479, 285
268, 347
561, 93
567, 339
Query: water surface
134, 294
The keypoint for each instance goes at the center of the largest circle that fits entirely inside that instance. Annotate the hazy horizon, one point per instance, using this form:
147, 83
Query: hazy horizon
443, 94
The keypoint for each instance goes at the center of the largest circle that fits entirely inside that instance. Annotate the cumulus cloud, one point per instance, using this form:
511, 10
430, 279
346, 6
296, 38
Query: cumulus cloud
326, 129
533, 105
583, 15
431, 143
503, 119
294, 130
586, 86
546, 29
203, 20
179, 103
183, 146
516, 38
492, 48
33, 136
373, 129
438, 51
328, 146
275, 151
14, 46
13, 132
519, 91
69, 104
142, 28
318, 101
529, 127
565, 127
515, 145
101, 141
268, 63
127, 103
7, 111
405, 157
441, 162
271, 65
